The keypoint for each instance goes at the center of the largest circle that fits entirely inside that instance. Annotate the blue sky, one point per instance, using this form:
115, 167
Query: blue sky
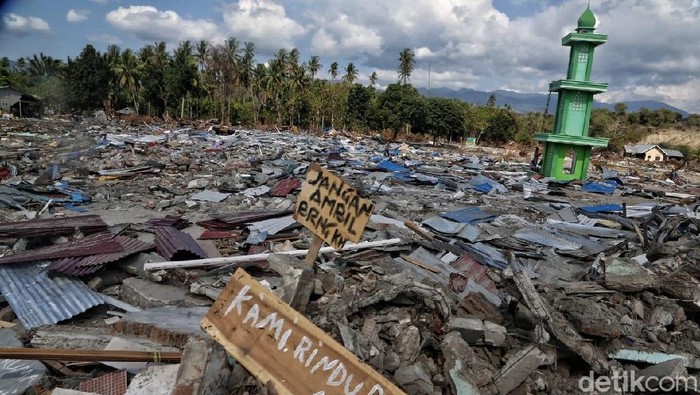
652, 53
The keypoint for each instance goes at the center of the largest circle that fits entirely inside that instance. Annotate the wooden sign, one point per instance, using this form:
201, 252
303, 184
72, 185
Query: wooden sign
331, 208
283, 349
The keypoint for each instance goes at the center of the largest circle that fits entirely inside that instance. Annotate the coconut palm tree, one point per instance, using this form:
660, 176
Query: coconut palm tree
333, 71
127, 73
350, 73
407, 60
314, 66
373, 78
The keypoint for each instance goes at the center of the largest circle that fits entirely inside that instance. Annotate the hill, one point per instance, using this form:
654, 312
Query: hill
533, 102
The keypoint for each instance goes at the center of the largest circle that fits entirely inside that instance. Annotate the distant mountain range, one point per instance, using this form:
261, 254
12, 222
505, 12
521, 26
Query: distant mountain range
534, 102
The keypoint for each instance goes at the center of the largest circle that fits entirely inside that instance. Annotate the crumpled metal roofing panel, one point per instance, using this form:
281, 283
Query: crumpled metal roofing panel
469, 215
86, 265
443, 225
53, 226
285, 187
38, 299
103, 243
173, 244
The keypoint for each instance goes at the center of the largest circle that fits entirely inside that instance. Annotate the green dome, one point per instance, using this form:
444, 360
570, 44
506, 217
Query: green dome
587, 20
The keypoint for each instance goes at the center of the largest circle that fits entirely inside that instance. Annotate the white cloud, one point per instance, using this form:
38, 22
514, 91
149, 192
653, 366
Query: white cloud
23, 25
77, 15
263, 22
342, 36
100, 1
104, 38
150, 24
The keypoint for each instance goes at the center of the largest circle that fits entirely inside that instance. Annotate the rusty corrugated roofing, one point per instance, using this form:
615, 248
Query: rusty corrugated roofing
53, 226
79, 266
102, 243
174, 221
467, 268
174, 245
285, 187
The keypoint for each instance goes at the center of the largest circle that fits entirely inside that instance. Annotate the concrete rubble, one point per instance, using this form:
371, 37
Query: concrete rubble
501, 282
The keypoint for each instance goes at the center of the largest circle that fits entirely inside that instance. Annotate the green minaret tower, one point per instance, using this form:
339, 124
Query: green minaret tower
568, 150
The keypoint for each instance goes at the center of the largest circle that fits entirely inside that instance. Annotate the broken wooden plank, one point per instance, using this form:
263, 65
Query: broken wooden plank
282, 348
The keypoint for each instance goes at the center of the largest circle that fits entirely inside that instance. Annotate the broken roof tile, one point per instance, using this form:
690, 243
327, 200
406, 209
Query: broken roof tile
285, 187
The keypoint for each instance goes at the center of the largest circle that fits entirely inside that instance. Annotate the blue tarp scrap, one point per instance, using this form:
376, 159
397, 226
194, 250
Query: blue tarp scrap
600, 187
399, 172
469, 215
603, 208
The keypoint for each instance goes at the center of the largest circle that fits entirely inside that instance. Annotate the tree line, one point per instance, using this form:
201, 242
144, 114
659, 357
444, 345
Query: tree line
225, 81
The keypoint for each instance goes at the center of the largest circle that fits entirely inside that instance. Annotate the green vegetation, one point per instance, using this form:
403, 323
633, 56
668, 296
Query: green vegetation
226, 81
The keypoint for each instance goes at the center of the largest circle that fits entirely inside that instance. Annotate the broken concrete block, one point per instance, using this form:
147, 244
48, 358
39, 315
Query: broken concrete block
627, 276
494, 334
476, 331
168, 325
464, 371
154, 380
673, 368
519, 367
297, 280
145, 294
591, 318
414, 379
204, 369
123, 344
18, 376
471, 329
64, 391
660, 316
409, 344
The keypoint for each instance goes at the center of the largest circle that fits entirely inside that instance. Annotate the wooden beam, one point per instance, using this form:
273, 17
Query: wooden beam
214, 262
44, 354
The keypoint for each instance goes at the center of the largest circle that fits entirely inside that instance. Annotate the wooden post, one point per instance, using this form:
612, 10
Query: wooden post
313, 251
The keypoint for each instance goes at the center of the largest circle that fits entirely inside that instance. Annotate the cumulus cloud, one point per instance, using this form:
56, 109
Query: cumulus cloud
150, 24
652, 50
22, 25
100, 1
263, 22
77, 15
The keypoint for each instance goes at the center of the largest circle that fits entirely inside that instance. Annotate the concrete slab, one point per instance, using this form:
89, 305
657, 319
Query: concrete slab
154, 380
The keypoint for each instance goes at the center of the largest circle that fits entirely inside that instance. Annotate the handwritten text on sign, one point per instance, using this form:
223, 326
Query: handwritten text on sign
282, 348
331, 208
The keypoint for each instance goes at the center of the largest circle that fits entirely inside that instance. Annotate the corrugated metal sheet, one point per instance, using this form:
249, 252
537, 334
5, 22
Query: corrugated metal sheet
470, 233
210, 196
467, 268
103, 243
442, 225
603, 208
234, 221
174, 221
91, 264
221, 234
173, 244
285, 187
545, 238
38, 299
469, 215
87, 224
273, 226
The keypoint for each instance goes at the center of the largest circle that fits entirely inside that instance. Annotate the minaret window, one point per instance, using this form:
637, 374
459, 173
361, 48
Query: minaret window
577, 104
583, 55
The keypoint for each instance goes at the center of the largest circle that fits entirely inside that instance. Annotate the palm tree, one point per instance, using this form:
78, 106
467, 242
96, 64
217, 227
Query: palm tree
333, 71
407, 60
373, 78
127, 70
202, 51
314, 65
112, 57
43, 66
350, 73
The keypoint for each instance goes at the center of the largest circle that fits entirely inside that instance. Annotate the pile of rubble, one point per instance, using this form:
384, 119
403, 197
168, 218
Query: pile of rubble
474, 275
